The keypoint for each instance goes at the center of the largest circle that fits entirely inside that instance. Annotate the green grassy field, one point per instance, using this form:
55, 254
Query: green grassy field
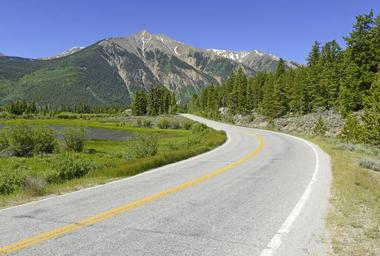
110, 159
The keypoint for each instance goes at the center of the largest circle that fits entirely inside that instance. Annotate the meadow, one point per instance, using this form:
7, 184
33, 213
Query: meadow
62, 157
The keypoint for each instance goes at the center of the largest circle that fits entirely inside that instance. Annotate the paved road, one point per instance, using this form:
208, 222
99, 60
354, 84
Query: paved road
260, 193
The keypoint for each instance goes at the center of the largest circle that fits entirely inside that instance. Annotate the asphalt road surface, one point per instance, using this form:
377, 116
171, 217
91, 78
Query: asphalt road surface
260, 193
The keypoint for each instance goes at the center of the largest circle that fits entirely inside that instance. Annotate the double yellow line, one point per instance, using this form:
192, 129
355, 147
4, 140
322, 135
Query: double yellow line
124, 208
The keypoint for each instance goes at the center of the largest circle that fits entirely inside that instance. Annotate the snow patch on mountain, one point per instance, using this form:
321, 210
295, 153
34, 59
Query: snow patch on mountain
70, 51
233, 55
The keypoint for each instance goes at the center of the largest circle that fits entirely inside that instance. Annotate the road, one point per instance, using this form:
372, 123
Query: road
260, 193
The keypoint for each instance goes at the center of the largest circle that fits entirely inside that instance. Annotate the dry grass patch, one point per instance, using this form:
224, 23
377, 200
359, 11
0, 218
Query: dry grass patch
354, 217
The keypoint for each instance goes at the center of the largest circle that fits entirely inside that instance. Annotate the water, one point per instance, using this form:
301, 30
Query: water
92, 133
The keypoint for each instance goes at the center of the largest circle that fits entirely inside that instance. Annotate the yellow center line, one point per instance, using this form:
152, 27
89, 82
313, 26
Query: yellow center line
124, 208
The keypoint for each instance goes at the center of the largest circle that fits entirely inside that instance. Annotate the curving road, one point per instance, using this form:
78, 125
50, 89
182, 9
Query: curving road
261, 193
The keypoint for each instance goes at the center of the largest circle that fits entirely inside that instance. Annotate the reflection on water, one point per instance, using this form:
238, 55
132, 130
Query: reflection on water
92, 133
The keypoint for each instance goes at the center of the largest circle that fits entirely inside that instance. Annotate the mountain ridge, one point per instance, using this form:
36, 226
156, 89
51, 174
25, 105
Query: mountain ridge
131, 63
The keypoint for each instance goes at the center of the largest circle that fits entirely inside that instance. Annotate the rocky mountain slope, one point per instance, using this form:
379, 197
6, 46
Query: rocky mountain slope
111, 70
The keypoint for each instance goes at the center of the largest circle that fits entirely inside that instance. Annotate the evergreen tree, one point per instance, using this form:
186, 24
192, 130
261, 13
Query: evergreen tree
352, 130
314, 54
371, 118
173, 104
139, 103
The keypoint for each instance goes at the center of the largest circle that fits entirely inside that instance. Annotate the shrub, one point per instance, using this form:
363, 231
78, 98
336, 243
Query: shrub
70, 166
67, 115
74, 139
186, 125
174, 124
319, 128
251, 118
139, 122
352, 130
147, 123
45, 140
20, 140
198, 128
145, 146
11, 180
163, 123
371, 164
3, 140
35, 185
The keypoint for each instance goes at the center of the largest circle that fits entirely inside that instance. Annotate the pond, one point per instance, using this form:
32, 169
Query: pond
93, 133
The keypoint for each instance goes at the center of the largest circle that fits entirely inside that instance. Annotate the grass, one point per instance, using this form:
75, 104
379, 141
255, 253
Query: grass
354, 216
108, 157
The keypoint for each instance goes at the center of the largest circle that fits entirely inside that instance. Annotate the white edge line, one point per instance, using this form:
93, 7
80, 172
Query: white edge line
276, 240
226, 143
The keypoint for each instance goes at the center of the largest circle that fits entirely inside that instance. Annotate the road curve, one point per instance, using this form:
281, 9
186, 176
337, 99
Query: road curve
261, 193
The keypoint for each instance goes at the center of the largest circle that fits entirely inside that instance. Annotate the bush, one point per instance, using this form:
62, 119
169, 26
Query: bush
35, 185
163, 123
174, 124
139, 122
144, 146
352, 130
319, 128
45, 140
371, 164
4, 144
11, 180
20, 140
70, 166
74, 139
147, 123
198, 128
186, 125
67, 115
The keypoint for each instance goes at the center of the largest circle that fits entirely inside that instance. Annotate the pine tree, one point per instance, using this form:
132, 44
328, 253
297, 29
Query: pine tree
173, 104
139, 103
352, 130
350, 97
314, 54
371, 118
241, 84
362, 50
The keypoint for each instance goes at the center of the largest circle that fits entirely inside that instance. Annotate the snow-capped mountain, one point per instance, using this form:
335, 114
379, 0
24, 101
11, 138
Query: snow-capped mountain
112, 70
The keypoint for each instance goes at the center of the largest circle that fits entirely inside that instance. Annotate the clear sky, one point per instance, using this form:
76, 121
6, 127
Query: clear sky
286, 28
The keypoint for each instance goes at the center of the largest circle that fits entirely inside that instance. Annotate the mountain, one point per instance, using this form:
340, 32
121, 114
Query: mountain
2, 54
255, 59
65, 53
111, 70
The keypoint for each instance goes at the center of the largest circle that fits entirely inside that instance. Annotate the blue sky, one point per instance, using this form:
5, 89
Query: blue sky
286, 28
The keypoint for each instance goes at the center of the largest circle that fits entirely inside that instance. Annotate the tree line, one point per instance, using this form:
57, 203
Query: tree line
22, 107
158, 100
347, 80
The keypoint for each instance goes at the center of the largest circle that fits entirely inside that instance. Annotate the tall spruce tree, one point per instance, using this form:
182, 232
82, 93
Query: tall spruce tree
371, 118
139, 103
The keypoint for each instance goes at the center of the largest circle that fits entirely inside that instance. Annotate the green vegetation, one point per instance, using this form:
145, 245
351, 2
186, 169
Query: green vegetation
353, 220
22, 140
74, 139
50, 163
157, 101
347, 80
84, 77
319, 128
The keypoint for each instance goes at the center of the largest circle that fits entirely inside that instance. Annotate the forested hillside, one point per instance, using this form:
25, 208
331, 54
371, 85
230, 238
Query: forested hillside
347, 80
